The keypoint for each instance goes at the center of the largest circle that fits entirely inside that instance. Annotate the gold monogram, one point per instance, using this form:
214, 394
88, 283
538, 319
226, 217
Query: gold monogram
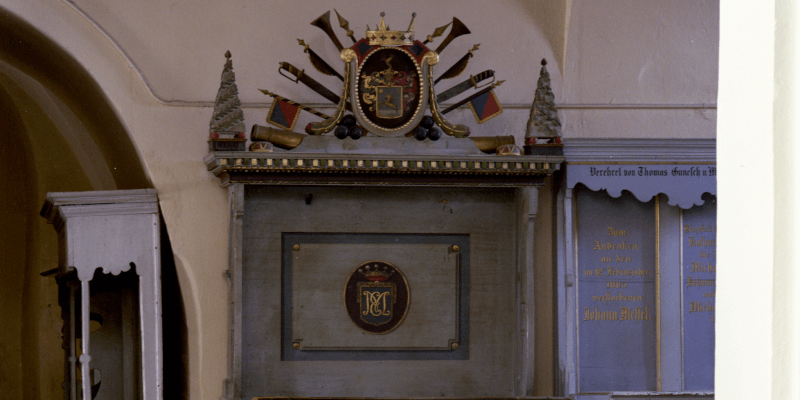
376, 303
376, 296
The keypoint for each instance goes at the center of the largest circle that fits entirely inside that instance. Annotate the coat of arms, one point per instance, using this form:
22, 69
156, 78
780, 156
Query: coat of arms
376, 297
389, 88
387, 93
388, 85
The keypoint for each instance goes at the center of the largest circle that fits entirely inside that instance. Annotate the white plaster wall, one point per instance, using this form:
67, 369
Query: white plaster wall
758, 324
651, 52
641, 69
159, 65
179, 48
650, 66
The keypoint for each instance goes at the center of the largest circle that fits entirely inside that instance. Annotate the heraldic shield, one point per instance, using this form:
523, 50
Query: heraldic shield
390, 87
376, 297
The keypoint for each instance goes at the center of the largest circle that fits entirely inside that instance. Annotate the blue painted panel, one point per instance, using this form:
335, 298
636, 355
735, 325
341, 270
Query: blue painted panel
699, 232
683, 184
616, 293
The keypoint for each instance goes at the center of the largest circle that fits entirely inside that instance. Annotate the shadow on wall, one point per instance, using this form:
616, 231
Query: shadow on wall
29, 51
175, 345
553, 19
41, 86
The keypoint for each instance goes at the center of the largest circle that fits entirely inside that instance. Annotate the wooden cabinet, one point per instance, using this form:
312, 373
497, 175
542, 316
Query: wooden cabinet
109, 278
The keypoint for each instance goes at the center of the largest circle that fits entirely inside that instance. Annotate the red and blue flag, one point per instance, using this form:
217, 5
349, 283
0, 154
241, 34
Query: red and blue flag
283, 114
485, 106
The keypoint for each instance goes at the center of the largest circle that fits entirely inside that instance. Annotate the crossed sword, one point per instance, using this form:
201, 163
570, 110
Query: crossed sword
323, 22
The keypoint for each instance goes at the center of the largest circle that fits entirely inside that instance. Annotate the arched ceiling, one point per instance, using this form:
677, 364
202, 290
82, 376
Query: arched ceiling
54, 132
47, 82
60, 133
552, 17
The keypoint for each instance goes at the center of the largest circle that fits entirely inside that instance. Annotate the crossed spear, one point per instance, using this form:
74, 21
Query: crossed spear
323, 22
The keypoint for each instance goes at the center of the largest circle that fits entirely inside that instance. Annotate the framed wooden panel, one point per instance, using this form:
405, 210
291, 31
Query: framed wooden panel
317, 267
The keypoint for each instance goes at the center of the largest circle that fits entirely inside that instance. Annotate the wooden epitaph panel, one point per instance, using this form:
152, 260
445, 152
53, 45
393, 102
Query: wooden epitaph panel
445, 194
699, 249
616, 293
327, 308
414, 230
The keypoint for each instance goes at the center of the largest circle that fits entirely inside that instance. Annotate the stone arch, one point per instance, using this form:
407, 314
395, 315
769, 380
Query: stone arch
61, 133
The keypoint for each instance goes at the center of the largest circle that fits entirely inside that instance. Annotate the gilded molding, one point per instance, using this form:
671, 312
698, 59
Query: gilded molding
325, 126
270, 168
357, 93
447, 127
431, 57
348, 55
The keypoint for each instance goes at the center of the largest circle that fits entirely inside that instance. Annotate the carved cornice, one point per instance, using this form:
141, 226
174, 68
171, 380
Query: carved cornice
387, 170
599, 151
682, 169
109, 202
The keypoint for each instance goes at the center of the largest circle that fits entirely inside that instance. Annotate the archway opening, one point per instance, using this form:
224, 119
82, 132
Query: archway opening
61, 134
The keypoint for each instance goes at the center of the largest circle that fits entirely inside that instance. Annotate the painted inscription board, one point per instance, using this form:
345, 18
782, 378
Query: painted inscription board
684, 184
616, 292
699, 242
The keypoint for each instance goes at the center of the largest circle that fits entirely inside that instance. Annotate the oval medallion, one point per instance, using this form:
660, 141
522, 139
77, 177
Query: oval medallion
376, 297
389, 85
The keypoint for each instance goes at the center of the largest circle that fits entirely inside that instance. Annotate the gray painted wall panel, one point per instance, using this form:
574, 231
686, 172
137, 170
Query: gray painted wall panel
486, 215
319, 320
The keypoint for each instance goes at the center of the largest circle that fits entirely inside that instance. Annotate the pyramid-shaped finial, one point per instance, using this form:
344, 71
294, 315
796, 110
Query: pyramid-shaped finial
228, 116
544, 122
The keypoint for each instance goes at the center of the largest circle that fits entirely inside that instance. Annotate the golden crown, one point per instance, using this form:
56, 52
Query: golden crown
382, 36
373, 272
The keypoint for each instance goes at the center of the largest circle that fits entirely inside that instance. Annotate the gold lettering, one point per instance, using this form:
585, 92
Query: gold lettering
588, 272
376, 303
696, 306
623, 259
620, 297
385, 310
605, 259
701, 242
700, 267
612, 232
616, 284
627, 272
637, 314
699, 229
596, 315
611, 246
690, 281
